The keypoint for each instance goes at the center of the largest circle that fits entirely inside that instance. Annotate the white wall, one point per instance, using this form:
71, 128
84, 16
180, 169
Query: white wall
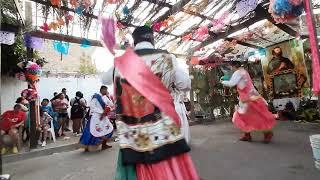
10, 91
11, 88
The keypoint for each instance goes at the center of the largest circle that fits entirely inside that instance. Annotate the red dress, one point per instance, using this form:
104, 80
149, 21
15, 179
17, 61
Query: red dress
11, 118
252, 113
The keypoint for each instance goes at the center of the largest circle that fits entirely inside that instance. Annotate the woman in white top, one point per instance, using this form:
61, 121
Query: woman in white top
252, 113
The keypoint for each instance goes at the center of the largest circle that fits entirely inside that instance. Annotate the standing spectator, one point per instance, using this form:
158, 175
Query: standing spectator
55, 96
10, 121
47, 108
61, 107
78, 106
64, 91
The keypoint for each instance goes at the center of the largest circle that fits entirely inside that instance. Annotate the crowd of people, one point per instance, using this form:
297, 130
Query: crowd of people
55, 113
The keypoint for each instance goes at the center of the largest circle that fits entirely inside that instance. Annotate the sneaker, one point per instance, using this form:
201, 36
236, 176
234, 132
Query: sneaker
78, 134
116, 139
44, 144
15, 150
39, 142
3, 151
67, 130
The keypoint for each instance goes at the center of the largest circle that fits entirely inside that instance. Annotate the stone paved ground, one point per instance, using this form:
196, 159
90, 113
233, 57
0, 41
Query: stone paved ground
215, 150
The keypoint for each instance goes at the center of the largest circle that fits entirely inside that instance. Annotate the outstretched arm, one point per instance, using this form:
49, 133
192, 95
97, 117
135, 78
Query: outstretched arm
235, 79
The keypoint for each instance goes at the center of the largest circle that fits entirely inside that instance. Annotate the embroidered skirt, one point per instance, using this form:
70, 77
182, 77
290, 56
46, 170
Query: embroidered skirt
88, 139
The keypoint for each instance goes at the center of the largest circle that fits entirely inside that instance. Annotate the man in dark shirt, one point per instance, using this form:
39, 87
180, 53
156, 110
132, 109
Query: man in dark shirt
64, 91
279, 63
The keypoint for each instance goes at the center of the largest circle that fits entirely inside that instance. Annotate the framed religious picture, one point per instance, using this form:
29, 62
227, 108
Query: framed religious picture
285, 85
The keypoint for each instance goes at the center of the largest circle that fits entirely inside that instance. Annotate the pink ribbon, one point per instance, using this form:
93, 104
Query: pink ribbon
314, 49
139, 75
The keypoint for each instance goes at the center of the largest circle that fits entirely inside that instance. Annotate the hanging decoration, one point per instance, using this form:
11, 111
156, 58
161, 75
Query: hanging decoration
68, 17
53, 26
246, 36
61, 47
171, 18
187, 37
86, 3
202, 33
219, 23
79, 10
108, 31
60, 22
156, 26
33, 42
112, 1
148, 24
85, 43
243, 7
56, 3
225, 45
285, 10
165, 23
120, 25
45, 27
7, 37
74, 3
125, 10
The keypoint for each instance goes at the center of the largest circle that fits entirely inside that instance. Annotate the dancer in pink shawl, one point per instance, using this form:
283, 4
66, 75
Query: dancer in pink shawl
252, 113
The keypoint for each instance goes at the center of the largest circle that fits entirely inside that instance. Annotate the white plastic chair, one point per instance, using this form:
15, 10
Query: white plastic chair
51, 131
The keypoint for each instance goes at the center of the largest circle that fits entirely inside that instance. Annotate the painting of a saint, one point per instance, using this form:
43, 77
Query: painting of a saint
278, 63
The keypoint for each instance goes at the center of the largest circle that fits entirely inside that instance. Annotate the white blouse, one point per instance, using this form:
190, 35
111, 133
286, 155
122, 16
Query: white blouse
236, 79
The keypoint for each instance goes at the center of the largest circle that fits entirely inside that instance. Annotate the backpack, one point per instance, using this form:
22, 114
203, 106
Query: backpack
77, 111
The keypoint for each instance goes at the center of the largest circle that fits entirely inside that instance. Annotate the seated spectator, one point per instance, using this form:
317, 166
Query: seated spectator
45, 118
47, 108
25, 107
23, 103
10, 121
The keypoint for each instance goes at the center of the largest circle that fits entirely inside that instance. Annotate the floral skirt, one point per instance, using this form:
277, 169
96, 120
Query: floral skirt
254, 117
87, 139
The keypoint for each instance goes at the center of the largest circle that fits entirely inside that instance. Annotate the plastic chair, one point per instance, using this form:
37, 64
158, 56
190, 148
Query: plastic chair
51, 131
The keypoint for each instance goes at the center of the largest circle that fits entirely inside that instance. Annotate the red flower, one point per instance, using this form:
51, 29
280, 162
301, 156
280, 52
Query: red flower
156, 26
45, 27
187, 37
